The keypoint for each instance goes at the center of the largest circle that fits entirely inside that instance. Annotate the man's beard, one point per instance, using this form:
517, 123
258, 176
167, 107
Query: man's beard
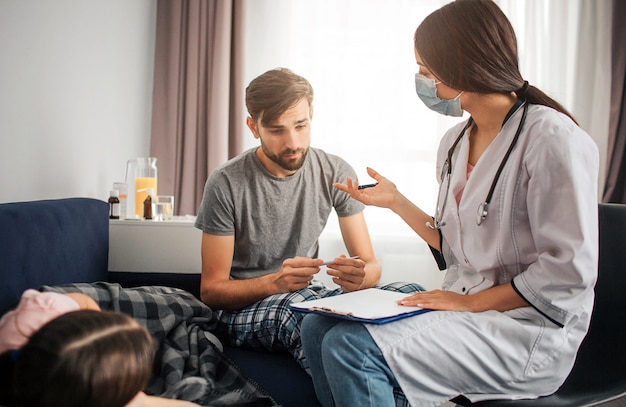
289, 165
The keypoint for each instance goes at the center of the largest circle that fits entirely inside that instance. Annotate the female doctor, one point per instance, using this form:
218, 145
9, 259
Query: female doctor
515, 226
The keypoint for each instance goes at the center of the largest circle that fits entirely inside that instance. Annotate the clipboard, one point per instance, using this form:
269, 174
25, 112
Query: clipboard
372, 305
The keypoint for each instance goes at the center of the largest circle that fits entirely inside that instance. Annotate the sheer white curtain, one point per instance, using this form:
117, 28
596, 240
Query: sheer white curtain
564, 48
358, 55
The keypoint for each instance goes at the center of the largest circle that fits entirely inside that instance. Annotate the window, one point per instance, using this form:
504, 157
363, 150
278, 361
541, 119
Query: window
358, 57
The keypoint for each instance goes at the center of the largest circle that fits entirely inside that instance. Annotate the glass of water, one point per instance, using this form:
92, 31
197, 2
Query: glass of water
163, 208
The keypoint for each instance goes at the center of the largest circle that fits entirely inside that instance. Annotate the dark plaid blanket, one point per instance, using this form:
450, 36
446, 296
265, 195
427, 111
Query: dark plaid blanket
189, 363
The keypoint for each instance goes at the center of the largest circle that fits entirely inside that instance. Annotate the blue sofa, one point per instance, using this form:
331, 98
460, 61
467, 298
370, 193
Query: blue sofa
53, 242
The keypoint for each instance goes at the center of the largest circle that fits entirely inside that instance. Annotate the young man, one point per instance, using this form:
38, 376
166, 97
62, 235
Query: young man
262, 214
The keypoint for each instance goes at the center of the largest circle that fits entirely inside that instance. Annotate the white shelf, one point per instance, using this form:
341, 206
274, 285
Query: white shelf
146, 246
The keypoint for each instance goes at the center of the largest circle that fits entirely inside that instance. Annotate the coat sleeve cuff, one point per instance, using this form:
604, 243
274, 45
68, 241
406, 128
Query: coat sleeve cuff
552, 313
438, 255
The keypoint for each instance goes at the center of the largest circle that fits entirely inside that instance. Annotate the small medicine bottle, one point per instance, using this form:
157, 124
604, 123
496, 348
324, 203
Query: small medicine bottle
147, 204
114, 204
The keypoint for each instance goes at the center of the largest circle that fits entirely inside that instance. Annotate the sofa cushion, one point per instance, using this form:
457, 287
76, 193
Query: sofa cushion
51, 242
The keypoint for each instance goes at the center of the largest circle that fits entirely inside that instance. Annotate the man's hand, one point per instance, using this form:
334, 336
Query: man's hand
347, 273
295, 273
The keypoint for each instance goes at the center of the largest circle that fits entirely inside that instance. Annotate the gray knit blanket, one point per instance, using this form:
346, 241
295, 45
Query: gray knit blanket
189, 363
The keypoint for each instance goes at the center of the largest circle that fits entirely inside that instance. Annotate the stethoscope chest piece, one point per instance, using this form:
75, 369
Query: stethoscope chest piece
482, 213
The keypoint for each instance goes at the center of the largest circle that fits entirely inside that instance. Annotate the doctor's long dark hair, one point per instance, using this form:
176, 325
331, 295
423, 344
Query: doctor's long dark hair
471, 46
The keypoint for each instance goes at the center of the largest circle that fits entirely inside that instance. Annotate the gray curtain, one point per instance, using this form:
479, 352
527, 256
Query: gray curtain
198, 94
615, 186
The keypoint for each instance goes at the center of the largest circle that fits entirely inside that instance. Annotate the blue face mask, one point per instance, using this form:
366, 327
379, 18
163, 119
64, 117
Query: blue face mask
427, 91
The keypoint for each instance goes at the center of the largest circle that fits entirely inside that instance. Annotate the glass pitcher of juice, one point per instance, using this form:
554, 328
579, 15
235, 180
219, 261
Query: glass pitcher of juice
141, 174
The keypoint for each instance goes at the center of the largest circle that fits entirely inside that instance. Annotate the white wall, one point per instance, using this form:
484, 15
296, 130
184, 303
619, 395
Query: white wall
75, 94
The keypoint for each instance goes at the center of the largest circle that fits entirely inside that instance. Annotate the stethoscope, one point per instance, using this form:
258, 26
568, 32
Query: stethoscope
446, 171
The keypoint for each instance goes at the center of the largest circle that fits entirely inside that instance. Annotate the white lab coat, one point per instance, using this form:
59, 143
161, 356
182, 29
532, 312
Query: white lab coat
541, 233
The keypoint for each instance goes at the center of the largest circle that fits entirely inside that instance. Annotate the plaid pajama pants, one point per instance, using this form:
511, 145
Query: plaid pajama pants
269, 324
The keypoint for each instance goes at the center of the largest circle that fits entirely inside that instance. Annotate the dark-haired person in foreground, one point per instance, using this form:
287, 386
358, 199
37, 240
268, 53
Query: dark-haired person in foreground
61, 350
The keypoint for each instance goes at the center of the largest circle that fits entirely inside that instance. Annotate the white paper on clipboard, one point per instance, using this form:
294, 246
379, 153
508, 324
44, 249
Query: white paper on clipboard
370, 305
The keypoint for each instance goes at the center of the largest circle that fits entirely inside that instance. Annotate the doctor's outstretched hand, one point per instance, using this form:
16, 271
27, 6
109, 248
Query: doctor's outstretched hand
386, 195
383, 195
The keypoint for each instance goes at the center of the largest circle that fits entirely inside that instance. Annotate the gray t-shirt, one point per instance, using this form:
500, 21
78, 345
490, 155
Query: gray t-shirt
273, 218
